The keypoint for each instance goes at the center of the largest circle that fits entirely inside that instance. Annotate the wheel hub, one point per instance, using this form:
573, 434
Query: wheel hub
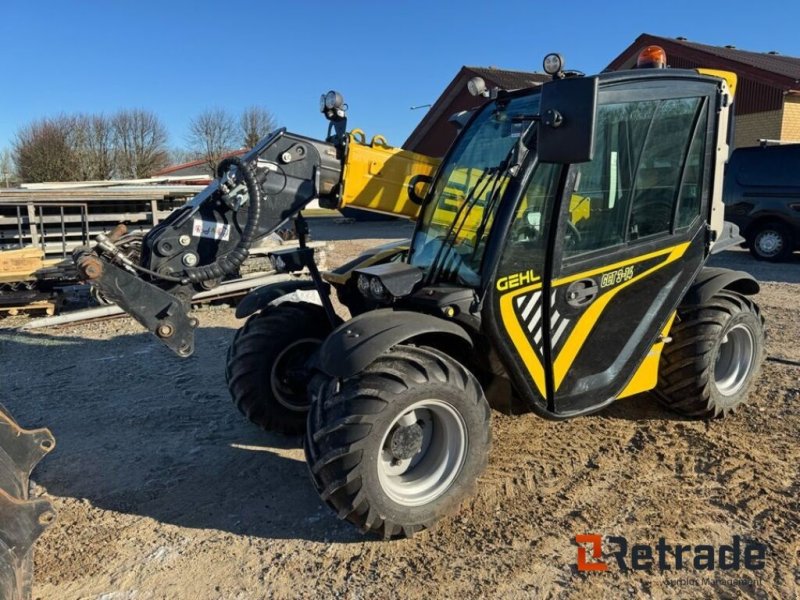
734, 360
406, 441
422, 452
289, 374
769, 243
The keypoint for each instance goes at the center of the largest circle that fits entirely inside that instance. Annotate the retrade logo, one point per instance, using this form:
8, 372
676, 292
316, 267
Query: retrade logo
663, 556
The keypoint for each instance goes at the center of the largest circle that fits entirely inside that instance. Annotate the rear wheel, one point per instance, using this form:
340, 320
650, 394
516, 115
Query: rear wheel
267, 370
714, 357
400, 445
771, 241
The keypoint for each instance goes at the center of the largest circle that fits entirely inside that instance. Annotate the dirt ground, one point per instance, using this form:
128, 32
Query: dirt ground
164, 491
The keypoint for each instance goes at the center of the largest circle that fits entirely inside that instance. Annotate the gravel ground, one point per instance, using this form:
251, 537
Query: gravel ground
165, 491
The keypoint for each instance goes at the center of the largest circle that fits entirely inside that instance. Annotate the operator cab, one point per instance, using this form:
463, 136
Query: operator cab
557, 199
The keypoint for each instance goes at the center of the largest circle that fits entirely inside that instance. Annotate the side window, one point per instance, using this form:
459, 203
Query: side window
658, 176
690, 200
525, 245
601, 195
628, 191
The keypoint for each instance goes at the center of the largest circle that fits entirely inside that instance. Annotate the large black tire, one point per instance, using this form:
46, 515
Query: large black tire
771, 241
395, 478
265, 370
714, 357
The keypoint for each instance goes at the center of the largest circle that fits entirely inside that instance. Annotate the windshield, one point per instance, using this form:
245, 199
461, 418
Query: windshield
454, 225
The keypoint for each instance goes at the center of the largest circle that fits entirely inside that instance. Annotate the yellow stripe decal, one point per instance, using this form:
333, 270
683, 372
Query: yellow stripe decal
646, 376
590, 316
584, 325
520, 340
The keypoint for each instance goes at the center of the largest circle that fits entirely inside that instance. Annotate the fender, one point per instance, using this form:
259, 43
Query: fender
355, 344
379, 254
711, 280
261, 297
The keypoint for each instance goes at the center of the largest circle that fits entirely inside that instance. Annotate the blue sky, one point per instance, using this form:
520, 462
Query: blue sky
179, 58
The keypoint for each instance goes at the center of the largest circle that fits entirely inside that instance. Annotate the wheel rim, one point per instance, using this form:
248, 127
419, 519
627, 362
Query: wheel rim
769, 243
422, 452
288, 376
734, 360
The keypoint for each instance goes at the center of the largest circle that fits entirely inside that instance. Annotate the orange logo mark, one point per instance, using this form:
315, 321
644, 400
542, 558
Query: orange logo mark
597, 542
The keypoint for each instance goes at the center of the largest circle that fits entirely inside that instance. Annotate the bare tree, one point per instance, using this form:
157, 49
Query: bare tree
255, 123
181, 155
43, 150
6, 166
93, 144
213, 134
140, 143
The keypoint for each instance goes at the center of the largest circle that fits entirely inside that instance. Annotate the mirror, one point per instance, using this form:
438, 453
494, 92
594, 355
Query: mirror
568, 109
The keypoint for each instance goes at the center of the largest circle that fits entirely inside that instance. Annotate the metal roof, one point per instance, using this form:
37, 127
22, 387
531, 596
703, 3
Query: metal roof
787, 66
454, 98
766, 67
510, 80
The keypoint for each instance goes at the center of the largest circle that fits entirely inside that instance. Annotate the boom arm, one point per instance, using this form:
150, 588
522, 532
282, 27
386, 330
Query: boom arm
208, 238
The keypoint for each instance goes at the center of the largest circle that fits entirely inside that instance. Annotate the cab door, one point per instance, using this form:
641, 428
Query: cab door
597, 256
629, 242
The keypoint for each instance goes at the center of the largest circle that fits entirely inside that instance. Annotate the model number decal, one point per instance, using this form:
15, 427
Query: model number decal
211, 230
615, 277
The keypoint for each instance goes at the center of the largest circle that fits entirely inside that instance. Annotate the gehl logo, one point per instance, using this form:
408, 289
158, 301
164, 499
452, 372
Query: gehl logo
667, 557
515, 280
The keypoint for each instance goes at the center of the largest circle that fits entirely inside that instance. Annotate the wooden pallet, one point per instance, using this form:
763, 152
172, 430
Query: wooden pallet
47, 306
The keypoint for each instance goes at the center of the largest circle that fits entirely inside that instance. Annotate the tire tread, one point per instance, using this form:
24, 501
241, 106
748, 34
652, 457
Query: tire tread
335, 435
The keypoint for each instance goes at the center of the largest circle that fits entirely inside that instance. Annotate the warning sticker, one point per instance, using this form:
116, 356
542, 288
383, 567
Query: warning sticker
211, 230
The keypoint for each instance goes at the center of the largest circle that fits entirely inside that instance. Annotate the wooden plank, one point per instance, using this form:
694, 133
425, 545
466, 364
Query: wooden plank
32, 225
19, 265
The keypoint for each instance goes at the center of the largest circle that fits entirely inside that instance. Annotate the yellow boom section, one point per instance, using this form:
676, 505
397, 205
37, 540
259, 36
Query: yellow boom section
376, 175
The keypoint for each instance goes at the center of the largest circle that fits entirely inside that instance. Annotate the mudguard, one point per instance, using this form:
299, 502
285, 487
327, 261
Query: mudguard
711, 280
261, 297
352, 346
22, 520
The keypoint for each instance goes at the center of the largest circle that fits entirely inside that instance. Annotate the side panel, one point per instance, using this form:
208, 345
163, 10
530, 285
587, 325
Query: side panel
646, 376
602, 346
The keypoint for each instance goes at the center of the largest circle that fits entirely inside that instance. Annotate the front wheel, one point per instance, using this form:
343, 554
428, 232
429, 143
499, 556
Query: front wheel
715, 354
400, 445
267, 369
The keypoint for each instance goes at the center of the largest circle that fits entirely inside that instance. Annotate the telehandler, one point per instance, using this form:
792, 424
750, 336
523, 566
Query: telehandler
559, 255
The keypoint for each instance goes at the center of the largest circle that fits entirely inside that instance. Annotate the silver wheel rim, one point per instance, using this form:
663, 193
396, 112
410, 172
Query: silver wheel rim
734, 360
769, 243
279, 384
426, 475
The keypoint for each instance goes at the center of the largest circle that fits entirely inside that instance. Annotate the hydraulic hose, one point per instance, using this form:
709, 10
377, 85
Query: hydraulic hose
229, 262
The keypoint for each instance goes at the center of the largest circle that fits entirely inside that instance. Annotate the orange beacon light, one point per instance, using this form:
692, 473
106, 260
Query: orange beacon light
652, 57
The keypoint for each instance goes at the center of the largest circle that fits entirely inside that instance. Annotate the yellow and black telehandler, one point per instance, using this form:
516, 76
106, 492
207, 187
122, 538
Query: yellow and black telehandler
559, 256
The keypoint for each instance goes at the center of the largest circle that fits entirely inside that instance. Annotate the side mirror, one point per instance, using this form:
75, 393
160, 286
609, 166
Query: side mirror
568, 112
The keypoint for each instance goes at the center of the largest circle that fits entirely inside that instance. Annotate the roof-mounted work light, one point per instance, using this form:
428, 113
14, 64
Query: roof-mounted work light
553, 64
